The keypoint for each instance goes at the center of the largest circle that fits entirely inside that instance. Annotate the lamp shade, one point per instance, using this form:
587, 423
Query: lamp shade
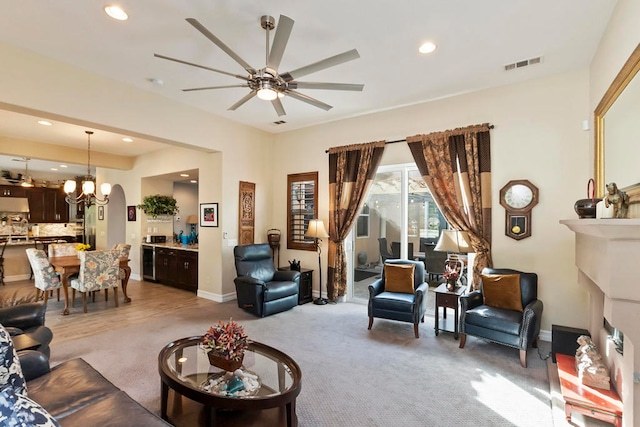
453, 241
192, 219
316, 229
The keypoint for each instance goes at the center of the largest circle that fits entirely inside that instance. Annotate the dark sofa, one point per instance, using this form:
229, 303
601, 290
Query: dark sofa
75, 394
28, 319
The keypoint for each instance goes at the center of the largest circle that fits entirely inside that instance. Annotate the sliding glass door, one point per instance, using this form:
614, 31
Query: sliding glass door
398, 218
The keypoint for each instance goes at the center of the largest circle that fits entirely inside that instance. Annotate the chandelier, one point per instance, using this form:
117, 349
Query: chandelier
88, 196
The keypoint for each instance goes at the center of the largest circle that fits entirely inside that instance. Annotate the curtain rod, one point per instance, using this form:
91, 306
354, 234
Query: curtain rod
403, 140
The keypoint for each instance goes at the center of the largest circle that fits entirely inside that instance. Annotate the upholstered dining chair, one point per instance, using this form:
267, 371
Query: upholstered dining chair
123, 250
46, 278
505, 310
62, 249
400, 294
98, 270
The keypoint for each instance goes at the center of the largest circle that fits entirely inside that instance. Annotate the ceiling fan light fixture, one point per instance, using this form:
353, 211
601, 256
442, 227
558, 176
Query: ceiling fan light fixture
266, 92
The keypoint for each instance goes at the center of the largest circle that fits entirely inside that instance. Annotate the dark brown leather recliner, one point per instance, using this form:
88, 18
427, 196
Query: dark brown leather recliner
260, 288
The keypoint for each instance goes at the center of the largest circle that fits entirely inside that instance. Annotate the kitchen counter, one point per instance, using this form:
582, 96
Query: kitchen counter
179, 246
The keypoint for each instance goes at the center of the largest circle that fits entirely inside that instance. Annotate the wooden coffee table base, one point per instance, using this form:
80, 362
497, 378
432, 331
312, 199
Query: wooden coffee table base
184, 412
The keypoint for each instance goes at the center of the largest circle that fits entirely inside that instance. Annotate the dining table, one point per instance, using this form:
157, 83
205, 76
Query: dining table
67, 266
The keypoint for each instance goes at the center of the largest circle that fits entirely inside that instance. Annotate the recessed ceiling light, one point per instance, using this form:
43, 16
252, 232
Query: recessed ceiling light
44, 123
63, 166
54, 169
116, 13
427, 47
193, 181
185, 175
127, 139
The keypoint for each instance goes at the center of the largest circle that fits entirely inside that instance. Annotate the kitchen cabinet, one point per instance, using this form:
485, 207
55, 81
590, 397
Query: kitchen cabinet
187, 271
166, 262
12, 191
177, 268
47, 205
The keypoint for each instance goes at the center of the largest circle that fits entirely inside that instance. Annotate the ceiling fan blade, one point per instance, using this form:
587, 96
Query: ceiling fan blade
198, 26
180, 61
278, 106
242, 101
213, 87
321, 65
283, 31
326, 86
309, 100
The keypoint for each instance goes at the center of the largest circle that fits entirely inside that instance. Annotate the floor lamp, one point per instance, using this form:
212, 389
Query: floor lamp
317, 231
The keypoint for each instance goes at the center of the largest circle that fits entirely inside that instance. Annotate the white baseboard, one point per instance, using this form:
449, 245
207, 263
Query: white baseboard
217, 297
545, 336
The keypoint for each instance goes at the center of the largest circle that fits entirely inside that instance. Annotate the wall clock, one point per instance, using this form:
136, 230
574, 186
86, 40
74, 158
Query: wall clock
518, 198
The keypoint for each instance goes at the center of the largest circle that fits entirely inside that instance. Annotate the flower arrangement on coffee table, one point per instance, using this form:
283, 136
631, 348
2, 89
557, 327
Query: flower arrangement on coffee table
225, 344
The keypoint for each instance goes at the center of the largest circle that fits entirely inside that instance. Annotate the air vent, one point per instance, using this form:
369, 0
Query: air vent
524, 63
279, 122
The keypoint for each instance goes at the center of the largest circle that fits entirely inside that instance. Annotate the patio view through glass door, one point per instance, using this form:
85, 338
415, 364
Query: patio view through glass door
399, 219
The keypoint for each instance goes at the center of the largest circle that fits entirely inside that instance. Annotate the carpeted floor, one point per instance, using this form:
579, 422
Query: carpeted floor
351, 376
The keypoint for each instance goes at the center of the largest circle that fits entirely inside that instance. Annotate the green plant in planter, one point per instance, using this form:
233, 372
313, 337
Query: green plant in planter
158, 205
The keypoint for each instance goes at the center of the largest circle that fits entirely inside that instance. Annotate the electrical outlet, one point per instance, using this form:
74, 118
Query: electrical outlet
232, 242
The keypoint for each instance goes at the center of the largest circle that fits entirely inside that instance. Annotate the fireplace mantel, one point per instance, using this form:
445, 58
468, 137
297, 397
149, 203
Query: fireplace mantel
608, 257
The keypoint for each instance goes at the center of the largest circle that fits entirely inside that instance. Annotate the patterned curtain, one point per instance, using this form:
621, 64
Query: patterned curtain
456, 165
351, 172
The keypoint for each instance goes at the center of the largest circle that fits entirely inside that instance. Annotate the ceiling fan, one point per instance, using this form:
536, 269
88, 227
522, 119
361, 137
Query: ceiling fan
268, 83
23, 180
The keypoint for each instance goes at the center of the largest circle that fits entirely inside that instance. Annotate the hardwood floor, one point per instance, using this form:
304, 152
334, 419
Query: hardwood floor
149, 300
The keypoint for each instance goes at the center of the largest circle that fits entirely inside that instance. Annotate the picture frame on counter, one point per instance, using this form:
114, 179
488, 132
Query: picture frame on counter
131, 213
208, 214
100, 213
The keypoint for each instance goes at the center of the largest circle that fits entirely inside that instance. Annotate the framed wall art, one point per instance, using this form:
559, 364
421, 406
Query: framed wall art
131, 213
208, 214
246, 222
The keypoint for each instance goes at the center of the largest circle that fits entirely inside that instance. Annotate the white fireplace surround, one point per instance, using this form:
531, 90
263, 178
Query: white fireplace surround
608, 260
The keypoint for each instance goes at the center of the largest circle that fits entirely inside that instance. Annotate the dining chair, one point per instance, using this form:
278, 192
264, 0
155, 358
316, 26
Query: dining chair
98, 270
62, 249
123, 250
3, 242
46, 278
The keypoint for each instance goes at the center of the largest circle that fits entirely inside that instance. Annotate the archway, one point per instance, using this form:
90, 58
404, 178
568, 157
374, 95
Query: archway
116, 219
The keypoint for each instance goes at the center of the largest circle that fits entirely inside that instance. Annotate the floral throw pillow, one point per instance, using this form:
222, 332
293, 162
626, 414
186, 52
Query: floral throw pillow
10, 369
18, 410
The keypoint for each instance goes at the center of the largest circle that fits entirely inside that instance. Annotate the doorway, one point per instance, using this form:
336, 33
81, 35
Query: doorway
116, 218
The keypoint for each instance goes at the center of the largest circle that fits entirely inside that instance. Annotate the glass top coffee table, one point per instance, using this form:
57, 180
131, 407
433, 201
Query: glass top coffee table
275, 377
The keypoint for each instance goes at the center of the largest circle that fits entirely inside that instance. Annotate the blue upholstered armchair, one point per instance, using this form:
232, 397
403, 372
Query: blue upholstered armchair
261, 289
403, 306
513, 328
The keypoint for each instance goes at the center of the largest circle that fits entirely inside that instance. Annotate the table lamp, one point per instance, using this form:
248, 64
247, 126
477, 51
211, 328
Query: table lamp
192, 220
317, 231
454, 242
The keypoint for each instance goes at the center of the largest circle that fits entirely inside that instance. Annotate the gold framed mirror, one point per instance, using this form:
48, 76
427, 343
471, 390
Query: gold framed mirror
615, 125
302, 207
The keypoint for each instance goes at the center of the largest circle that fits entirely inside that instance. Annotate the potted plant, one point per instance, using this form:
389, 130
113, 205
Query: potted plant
158, 205
225, 344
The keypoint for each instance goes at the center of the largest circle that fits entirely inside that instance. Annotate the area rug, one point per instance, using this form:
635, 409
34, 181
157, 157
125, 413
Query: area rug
350, 376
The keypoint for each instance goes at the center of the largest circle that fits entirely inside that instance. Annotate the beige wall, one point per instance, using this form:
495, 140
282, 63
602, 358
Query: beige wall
538, 136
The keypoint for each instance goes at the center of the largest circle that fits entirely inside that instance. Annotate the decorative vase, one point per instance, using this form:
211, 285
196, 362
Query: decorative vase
451, 285
222, 363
